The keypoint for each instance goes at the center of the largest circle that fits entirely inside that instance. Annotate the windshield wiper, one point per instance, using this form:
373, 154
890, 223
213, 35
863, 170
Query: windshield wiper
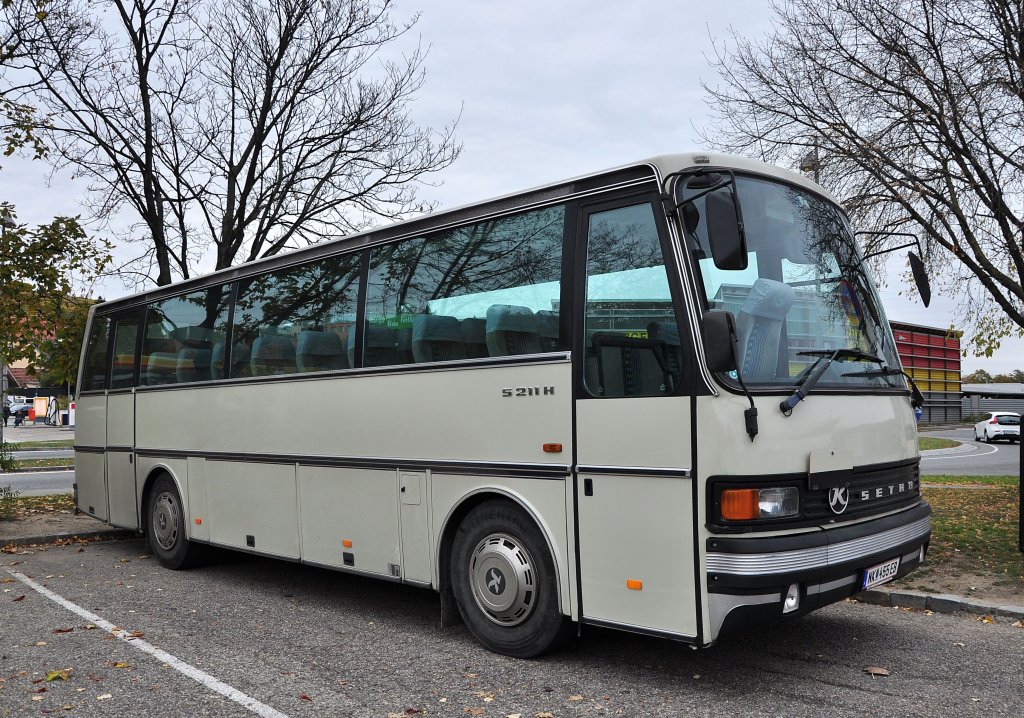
916, 397
818, 370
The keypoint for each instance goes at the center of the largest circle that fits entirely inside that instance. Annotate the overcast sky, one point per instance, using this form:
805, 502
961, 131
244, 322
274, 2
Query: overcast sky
553, 89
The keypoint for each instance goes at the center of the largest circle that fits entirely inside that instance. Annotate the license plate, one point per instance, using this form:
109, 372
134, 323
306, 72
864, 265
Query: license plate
882, 573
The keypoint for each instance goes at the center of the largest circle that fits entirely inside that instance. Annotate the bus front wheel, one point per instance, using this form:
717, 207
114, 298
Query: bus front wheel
504, 582
166, 529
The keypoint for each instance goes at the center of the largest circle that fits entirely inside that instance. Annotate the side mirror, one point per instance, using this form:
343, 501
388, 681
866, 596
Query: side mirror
719, 334
924, 288
725, 229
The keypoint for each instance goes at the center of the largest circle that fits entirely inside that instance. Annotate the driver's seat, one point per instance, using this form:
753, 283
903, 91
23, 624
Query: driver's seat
759, 325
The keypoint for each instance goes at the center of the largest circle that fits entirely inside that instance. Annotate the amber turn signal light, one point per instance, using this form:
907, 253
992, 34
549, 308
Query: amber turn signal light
740, 504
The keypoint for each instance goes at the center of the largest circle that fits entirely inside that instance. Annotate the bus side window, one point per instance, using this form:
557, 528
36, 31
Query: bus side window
122, 369
94, 374
180, 336
631, 337
490, 289
298, 319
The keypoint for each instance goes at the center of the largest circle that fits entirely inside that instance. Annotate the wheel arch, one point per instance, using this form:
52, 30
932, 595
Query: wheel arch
461, 508
155, 472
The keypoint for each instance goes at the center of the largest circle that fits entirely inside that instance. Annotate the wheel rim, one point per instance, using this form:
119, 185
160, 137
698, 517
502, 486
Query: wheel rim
165, 520
504, 579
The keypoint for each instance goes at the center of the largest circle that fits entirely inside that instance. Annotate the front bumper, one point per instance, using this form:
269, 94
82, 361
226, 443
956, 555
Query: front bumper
748, 577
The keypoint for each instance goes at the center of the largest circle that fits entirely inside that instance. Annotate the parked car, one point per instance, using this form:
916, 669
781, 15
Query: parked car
998, 425
20, 408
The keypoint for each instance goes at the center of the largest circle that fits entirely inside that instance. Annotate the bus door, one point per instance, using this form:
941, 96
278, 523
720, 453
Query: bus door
634, 492
124, 374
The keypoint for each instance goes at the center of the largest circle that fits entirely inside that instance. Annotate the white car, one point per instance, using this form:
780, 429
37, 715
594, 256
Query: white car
998, 425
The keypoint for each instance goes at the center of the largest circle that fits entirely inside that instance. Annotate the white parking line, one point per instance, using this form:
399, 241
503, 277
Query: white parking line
177, 664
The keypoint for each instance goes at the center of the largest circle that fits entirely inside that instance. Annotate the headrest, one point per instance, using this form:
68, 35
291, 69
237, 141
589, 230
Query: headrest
316, 342
769, 299
431, 328
510, 318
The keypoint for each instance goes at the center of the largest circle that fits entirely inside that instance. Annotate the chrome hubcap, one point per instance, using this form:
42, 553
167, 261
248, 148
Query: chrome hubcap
503, 578
165, 521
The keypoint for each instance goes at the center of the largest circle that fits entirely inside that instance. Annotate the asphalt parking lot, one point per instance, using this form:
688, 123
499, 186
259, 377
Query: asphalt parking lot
251, 636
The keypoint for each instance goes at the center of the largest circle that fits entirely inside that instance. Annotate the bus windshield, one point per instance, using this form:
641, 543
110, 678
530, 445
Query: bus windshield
804, 293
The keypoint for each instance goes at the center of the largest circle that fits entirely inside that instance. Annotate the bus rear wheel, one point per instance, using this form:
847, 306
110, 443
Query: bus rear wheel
166, 528
503, 579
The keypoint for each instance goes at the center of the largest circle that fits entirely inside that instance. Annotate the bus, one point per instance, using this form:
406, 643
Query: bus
662, 398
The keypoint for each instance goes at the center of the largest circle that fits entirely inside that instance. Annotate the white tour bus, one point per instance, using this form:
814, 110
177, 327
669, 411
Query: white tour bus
576, 405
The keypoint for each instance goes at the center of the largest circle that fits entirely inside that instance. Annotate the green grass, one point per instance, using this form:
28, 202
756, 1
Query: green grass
43, 463
54, 444
977, 530
925, 443
984, 480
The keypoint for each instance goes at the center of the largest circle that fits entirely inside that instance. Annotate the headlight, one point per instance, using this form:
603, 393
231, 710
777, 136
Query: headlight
751, 504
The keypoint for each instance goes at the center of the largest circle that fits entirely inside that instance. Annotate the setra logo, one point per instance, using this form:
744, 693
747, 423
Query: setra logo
839, 499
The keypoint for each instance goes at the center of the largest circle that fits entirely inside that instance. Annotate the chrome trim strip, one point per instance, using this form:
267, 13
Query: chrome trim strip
832, 585
759, 564
634, 470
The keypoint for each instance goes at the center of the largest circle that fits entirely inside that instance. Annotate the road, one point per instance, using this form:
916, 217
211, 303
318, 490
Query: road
39, 483
972, 458
44, 454
291, 640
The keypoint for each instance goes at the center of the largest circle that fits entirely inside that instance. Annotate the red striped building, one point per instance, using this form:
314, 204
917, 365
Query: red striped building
932, 357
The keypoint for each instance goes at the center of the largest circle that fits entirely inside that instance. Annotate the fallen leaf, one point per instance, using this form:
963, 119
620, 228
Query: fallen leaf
484, 696
40, 690
304, 697
121, 664
62, 630
413, 711
474, 711
62, 674
958, 643
544, 714
19, 598
514, 715
1019, 624
40, 643
575, 698
6, 579
38, 698
104, 697
135, 634
876, 671
987, 619
89, 627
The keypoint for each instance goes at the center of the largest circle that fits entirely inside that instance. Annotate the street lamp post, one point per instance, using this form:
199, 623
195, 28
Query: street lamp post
5, 223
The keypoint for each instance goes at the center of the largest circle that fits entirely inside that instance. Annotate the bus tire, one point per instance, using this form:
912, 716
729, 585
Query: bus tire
166, 527
504, 582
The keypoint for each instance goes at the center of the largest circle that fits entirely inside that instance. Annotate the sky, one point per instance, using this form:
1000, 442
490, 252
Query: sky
549, 90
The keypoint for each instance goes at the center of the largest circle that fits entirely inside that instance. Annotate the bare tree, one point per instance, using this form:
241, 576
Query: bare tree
245, 126
910, 111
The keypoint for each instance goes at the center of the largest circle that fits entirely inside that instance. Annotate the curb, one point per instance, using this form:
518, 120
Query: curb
98, 535
938, 602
